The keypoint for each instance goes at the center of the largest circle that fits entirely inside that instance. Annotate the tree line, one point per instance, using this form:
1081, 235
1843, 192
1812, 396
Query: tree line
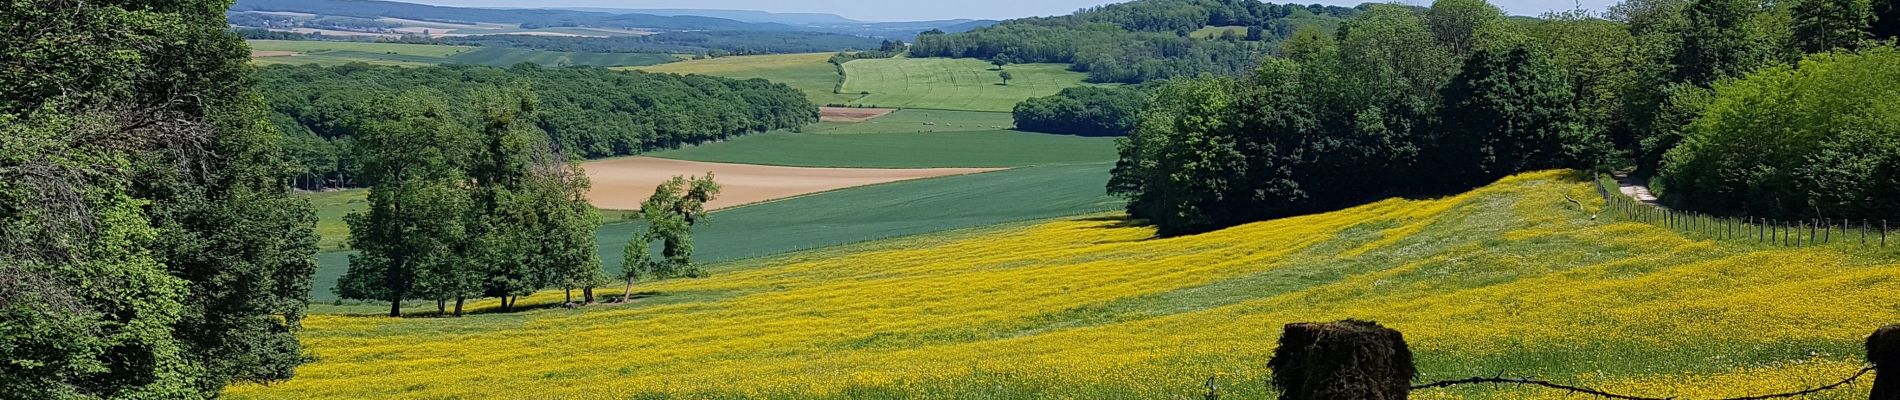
1137, 41
708, 43
1084, 111
149, 245
1404, 101
586, 112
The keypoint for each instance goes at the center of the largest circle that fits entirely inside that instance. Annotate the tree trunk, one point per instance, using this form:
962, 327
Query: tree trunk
570, 296
628, 295
458, 306
441, 307
587, 295
395, 305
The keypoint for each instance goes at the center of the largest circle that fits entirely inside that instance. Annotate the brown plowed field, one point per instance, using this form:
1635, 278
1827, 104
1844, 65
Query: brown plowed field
621, 184
847, 114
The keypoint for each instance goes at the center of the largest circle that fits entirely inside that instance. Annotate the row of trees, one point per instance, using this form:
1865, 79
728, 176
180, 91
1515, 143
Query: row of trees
1401, 101
1137, 41
711, 43
587, 112
149, 246
455, 213
1820, 139
492, 208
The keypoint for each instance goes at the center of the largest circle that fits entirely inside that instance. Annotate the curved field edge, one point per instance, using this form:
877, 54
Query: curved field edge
1507, 278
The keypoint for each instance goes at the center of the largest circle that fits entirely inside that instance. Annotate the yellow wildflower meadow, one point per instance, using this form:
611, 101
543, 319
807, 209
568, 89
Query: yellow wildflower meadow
1509, 278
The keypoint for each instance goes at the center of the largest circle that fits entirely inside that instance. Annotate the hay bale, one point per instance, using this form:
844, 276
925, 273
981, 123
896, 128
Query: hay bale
1883, 350
1345, 360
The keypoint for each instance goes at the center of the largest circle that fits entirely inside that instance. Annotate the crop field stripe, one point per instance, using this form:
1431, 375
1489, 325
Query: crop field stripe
860, 214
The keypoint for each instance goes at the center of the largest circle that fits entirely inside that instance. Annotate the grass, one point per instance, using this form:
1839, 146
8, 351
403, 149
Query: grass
858, 214
906, 139
811, 73
952, 84
411, 55
1506, 279
1214, 32
930, 83
331, 206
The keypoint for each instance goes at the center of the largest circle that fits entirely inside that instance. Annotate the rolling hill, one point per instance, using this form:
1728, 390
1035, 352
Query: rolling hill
1509, 278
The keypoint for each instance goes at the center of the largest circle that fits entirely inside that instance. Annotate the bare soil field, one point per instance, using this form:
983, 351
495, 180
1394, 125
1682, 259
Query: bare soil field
272, 53
621, 184
847, 114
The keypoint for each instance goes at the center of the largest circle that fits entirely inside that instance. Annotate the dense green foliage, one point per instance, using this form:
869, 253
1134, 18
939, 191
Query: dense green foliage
1403, 102
713, 43
1385, 110
1816, 140
586, 112
1511, 110
456, 213
669, 215
148, 245
1137, 41
1087, 111
1822, 25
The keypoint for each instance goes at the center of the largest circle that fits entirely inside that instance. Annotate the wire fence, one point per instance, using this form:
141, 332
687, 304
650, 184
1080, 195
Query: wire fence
1362, 359
1499, 380
1796, 233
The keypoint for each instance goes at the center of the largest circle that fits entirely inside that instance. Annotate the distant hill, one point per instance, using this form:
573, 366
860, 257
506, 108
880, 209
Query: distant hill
527, 18
348, 14
736, 15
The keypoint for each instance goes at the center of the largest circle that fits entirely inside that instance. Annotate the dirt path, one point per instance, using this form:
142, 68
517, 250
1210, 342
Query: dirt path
846, 114
1636, 189
622, 184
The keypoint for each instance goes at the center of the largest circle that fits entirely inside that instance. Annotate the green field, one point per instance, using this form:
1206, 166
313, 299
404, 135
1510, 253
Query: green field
810, 72
331, 207
1214, 32
952, 84
858, 214
930, 83
410, 55
905, 139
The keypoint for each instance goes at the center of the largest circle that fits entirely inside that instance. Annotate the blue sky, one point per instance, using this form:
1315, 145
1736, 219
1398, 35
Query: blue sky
911, 10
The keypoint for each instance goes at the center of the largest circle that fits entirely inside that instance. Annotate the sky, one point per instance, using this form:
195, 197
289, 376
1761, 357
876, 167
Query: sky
917, 10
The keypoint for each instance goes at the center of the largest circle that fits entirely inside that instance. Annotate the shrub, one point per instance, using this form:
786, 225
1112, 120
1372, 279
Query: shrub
1818, 139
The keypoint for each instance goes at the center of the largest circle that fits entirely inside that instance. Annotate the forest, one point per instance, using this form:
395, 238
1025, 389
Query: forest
586, 112
1085, 111
1139, 41
1407, 102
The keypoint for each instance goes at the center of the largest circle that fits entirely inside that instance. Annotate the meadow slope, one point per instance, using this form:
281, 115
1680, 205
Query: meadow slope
1508, 278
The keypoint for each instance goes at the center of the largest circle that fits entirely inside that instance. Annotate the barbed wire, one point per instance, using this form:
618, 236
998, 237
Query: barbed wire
1496, 380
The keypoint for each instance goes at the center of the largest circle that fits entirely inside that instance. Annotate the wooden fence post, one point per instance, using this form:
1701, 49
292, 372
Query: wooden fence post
1883, 350
1348, 359
1827, 237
